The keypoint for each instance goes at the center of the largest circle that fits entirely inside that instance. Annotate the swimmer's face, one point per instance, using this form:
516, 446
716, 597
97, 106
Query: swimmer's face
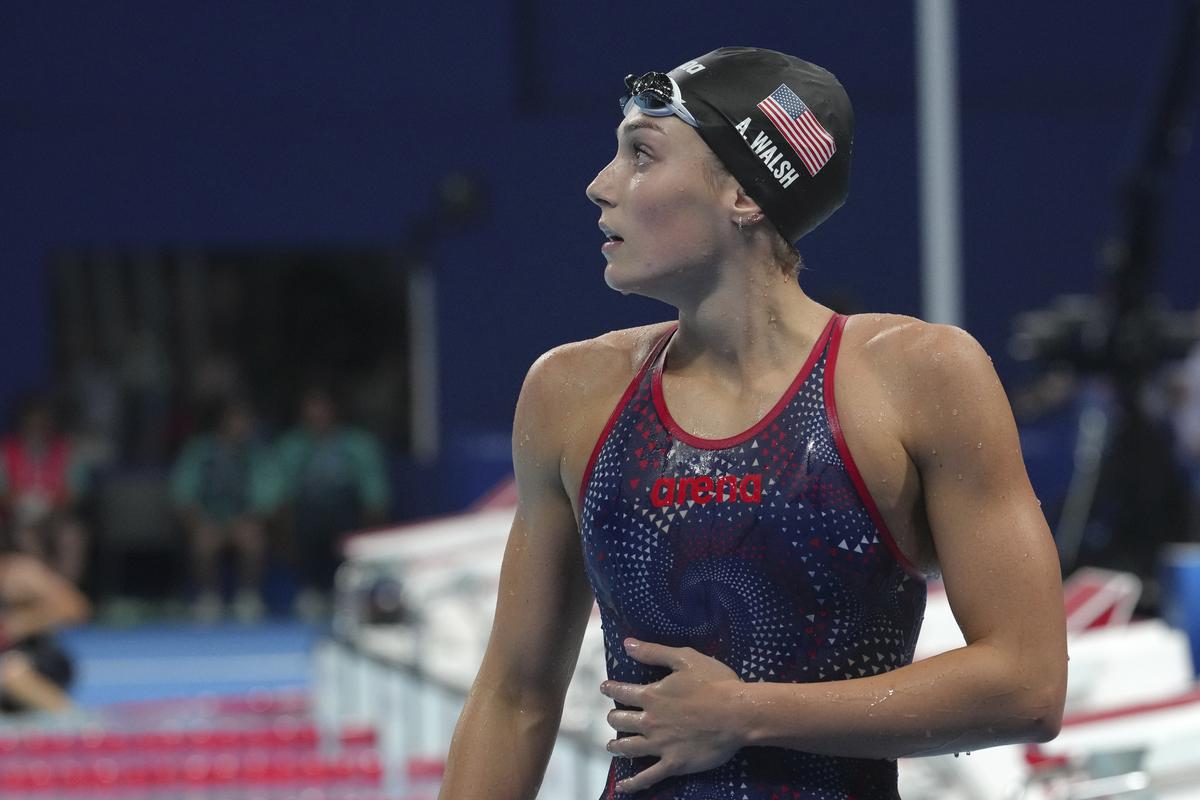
657, 196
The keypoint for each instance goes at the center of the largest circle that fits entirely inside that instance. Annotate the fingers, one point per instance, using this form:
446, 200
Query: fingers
646, 778
631, 747
626, 721
629, 694
658, 655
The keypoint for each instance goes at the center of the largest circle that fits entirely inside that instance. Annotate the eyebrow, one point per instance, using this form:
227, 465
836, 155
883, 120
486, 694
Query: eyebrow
640, 124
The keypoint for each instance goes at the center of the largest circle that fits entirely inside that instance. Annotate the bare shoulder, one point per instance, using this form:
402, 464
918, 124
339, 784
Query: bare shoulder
949, 402
900, 339
567, 385
923, 357
591, 365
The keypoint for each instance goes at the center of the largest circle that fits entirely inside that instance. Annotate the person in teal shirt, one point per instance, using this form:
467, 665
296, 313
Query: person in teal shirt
225, 485
334, 482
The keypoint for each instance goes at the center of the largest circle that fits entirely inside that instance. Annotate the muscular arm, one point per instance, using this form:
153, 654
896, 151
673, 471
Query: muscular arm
1001, 575
1002, 579
507, 729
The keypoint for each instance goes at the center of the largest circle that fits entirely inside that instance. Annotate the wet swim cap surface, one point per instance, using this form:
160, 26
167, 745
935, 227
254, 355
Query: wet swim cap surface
783, 127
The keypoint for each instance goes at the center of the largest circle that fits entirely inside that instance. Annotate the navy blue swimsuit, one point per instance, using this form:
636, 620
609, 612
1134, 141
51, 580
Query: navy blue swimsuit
763, 550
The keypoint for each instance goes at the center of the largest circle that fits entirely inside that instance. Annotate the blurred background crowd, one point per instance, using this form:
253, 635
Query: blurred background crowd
221, 480
195, 443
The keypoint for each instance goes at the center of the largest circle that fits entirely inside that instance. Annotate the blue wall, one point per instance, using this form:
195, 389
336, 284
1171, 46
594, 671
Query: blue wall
281, 122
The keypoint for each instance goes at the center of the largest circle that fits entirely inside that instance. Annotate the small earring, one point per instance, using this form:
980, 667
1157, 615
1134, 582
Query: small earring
740, 223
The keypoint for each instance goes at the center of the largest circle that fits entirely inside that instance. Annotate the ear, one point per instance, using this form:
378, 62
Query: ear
746, 212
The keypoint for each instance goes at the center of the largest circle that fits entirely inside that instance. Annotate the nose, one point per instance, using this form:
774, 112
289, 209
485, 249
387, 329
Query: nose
599, 191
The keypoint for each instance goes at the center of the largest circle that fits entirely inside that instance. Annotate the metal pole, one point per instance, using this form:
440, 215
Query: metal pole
423, 344
937, 142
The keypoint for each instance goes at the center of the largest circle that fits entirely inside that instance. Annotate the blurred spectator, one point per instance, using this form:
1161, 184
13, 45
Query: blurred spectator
93, 396
146, 376
214, 377
34, 601
211, 378
41, 481
334, 482
225, 485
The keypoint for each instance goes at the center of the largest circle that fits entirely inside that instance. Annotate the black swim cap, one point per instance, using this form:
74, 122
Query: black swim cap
783, 127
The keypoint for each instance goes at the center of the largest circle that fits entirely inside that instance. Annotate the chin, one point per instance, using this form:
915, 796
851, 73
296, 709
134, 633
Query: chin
655, 287
615, 282
623, 280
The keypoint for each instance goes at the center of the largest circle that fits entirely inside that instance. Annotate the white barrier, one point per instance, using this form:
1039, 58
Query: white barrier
410, 680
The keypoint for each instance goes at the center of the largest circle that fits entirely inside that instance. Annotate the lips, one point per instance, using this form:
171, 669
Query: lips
612, 239
609, 234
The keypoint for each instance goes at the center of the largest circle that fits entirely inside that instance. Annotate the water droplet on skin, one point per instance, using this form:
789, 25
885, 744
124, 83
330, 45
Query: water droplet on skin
935, 452
954, 411
958, 476
979, 446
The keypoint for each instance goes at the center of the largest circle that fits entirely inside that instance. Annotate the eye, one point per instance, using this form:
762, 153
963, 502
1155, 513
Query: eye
640, 154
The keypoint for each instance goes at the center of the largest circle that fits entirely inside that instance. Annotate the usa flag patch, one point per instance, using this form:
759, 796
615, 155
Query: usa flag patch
803, 131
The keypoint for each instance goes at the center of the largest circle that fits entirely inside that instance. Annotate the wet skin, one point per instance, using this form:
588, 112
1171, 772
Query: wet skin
927, 423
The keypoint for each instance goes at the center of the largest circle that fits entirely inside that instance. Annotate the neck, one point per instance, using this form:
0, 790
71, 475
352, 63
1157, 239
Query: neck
749, 324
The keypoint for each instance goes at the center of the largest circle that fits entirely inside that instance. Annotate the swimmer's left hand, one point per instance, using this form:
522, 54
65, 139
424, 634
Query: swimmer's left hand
683, 719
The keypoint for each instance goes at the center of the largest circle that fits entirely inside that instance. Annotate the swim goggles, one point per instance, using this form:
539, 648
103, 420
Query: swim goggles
656, 94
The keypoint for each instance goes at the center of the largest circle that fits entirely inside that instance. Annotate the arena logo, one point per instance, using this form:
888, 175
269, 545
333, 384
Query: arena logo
703, 490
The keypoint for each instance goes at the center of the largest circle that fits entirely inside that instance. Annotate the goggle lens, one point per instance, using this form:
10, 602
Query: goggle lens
655, 94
